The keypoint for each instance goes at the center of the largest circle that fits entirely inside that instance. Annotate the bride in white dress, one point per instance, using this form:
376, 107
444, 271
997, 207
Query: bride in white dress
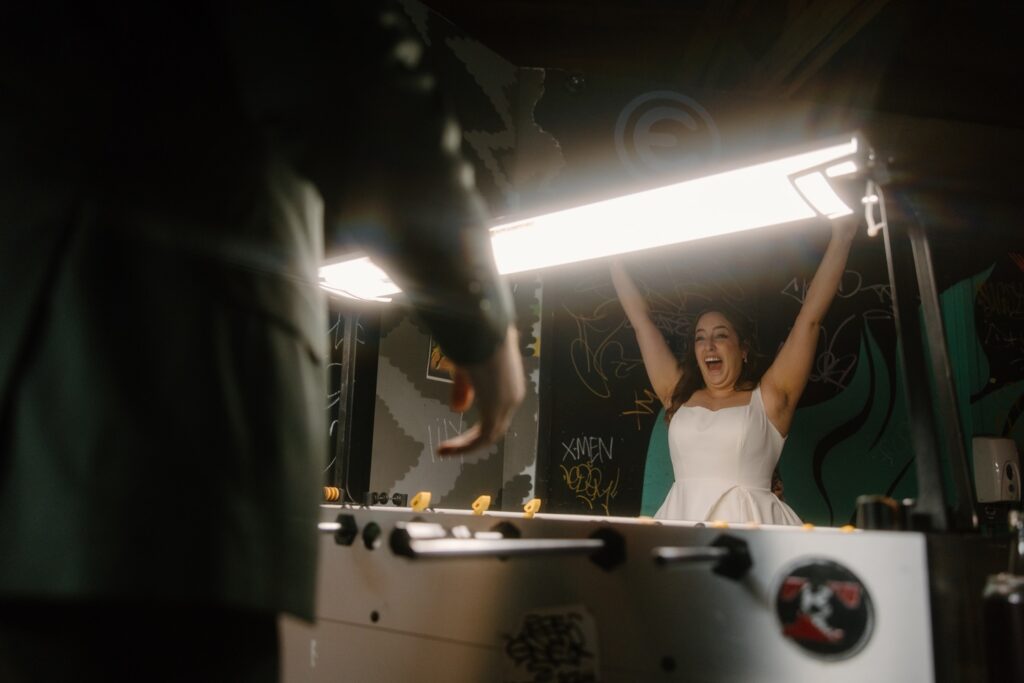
727, 426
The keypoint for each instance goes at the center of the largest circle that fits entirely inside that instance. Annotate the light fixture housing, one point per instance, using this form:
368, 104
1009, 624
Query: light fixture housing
795, 187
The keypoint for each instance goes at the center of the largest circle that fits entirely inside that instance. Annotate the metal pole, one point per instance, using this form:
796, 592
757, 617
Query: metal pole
942, 376
930, 510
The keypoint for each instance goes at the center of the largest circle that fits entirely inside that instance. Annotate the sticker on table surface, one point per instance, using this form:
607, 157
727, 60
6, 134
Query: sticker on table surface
825, 609
553, 644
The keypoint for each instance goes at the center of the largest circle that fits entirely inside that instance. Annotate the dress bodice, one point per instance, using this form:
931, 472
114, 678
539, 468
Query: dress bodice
723, 462
738, 443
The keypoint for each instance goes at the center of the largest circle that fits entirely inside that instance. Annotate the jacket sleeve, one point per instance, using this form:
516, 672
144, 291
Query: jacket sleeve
346, 98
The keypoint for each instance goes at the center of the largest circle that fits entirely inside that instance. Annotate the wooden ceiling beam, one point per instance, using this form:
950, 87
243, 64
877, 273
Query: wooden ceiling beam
711, 44
809, 41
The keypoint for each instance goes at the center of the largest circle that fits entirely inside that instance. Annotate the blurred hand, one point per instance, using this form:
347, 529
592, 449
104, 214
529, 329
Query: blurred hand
497, 386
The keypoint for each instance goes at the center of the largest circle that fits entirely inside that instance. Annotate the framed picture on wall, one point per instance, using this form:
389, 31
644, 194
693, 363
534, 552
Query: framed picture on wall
439, 367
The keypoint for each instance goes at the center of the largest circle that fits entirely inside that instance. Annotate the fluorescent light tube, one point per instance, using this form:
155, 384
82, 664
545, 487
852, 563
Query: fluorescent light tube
761, 195
357, 278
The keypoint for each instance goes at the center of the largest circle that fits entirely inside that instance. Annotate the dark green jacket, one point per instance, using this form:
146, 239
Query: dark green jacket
166, 174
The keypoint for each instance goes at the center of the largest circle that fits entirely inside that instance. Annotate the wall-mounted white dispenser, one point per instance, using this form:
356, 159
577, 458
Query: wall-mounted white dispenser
996, 469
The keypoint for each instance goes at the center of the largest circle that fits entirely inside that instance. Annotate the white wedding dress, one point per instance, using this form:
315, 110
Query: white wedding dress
723, 462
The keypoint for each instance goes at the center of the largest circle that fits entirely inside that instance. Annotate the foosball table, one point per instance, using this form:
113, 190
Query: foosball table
472, 595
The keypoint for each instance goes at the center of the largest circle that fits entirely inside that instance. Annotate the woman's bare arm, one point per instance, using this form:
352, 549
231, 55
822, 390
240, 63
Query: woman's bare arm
784, 382
662, 367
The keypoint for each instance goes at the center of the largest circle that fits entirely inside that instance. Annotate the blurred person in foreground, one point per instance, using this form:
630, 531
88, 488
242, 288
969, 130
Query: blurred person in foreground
169, 172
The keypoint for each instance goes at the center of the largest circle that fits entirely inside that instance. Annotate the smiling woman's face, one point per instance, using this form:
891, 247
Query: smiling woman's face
718, 351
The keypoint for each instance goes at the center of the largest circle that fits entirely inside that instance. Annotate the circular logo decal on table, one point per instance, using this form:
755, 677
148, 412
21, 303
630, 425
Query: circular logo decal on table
825, 609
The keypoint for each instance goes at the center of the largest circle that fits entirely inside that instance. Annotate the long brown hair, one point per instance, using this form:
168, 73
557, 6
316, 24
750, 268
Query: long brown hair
692, 379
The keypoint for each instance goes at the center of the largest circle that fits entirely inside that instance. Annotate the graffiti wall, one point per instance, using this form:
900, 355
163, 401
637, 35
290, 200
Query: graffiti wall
412, 417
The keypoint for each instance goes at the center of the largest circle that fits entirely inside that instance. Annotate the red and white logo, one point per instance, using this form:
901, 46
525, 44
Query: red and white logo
824, 609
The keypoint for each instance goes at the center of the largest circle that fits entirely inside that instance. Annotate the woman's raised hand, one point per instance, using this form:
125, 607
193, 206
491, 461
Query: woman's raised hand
845, 227
662, 367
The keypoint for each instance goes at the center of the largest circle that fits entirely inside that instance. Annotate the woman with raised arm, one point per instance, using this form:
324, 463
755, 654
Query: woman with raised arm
727, 423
